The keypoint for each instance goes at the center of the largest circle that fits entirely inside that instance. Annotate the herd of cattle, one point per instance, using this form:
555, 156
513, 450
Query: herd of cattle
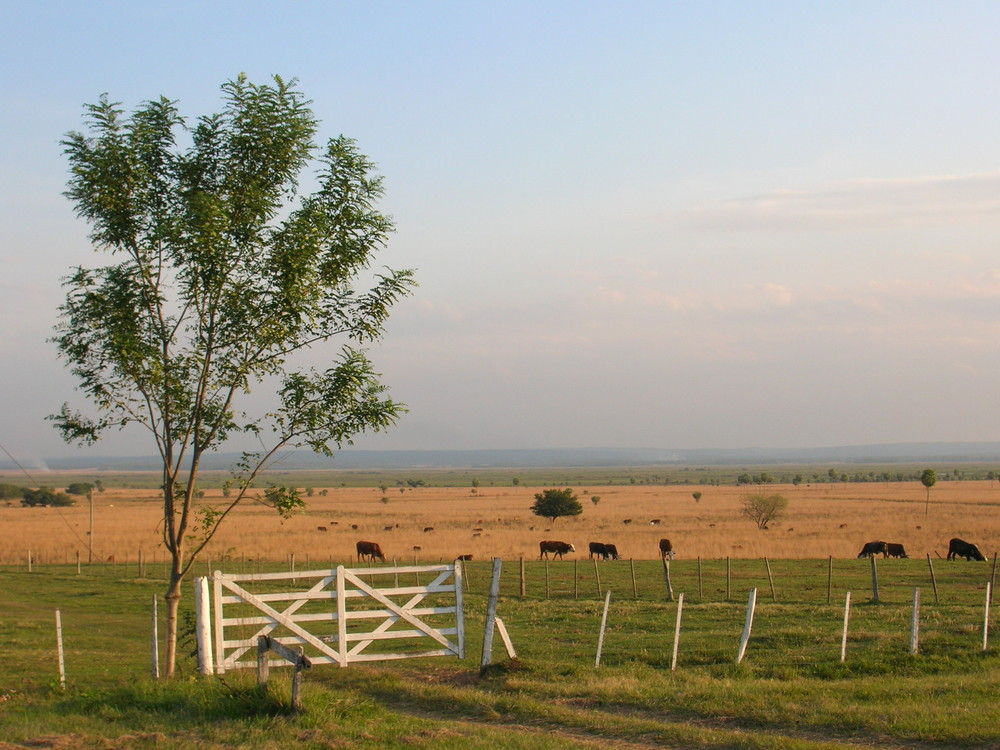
956, 548
606, 551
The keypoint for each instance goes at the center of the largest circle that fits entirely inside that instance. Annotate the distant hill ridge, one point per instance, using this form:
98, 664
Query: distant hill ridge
551, 457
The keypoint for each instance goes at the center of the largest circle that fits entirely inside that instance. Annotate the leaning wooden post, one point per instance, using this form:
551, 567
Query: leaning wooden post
635, 591
986, 615
155, 645
203, 626
666, 577
604, 623
597, 575
491, 615
747, 626
874, 579
522, 579
59, 651
915, 623
829, 579
677, 632
770, 580
847, 618
933, 578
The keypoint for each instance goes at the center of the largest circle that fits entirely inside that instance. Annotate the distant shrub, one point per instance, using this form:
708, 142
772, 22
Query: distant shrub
79, 488
10, 491
44, 496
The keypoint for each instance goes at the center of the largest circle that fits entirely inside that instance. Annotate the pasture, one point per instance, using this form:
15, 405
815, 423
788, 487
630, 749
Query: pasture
791, 690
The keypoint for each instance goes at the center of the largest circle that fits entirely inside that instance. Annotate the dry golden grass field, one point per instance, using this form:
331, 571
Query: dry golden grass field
821, 520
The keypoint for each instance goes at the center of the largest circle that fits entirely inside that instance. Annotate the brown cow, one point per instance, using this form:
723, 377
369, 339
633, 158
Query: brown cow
556, 548
666, 549
465, 557
895, 550
369, 550
873, 548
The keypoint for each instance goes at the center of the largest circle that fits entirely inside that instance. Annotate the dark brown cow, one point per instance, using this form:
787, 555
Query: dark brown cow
873, 548
370, 550
895, 550
465, 557
666, 549
598, 548
321, 528
612, 552
546, 547
959, 548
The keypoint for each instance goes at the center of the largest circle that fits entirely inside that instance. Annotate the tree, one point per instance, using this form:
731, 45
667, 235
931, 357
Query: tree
79, 488
762, 509
928, 479
43, 497
696, 496
218, 274
552, 504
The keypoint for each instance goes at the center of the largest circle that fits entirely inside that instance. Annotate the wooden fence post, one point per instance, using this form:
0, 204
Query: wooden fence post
701, 594
933, 579
59, 651
747, 626
874, 579
847, 617
491, 614
576, 581
604, 622
635, 591
78, 562
546, 578
770, 580
915, 623
993, 575
597, 575
677, 632
155, 645
666, 577
522, 579
986, 615
729, 577
829, 579
203, 626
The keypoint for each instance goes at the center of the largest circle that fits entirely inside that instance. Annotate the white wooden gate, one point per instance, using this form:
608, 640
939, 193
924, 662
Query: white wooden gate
341, 618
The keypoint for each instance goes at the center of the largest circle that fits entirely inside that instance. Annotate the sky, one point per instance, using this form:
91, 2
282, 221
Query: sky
639, 224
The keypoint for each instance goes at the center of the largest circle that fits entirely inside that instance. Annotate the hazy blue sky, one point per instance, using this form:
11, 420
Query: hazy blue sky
663, 224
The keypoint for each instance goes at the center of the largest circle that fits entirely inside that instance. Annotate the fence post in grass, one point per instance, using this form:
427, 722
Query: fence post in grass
78, 562
829, 579
666, 577
770, 580
523, 589
576, 581
203, 625
729, 577
986, 615
701, 594
635, 591
747, 626
604, 622
263, 668
677, 632
59, 651
29, 560
491, 615
993, 575
155, 645
847, 618
546, 578
874, 579
933, 578
915, 623
597, 575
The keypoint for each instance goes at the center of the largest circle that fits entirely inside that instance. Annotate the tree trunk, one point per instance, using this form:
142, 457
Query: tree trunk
173, 599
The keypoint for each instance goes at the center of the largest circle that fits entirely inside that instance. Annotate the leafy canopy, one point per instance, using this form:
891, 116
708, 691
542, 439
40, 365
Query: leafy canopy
762, 508
554, 503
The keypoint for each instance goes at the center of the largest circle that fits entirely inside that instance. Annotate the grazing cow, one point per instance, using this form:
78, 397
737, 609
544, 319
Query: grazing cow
895, 550
388, 528
666, 549
598, 548
612, 552
428, 528
655, 522
873, 548
321, 528
556, 548
370, 550
354, 527
416, 547
465, 557
958, 548
627, 521
478, 529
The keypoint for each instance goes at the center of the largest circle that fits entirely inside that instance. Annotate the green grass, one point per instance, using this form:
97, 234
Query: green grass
791, 690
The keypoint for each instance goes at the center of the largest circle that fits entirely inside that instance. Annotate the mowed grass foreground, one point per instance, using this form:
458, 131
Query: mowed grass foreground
791, 691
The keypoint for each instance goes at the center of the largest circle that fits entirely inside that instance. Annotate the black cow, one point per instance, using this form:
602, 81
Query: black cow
959, 548
546, 547
369, 550
666, 549
598, 548
895, 550
873, 548
612, 551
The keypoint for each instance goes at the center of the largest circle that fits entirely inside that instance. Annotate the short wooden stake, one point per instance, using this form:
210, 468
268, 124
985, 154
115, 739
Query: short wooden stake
915, 623
155, 645
635, 591
874, 579
505, 637
770, 580
59, 651
523, 589
78, 562
491, 616
933, 578
986, 615
597, 575
847, 618
829, 579
747, 626
604, 623
677, 631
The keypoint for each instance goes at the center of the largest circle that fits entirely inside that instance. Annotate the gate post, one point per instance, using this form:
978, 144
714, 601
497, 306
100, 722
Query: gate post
203, 626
